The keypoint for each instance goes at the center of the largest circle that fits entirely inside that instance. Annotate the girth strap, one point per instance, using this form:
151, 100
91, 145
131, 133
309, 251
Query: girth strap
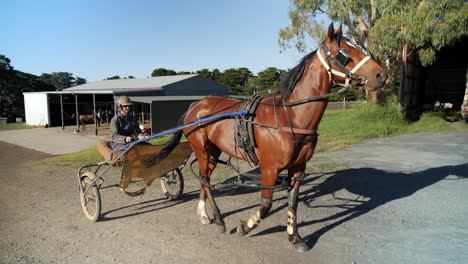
296, 130
243, 128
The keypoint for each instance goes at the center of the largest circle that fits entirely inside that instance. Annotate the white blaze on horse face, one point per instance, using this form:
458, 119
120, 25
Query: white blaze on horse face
201, 211
351, 44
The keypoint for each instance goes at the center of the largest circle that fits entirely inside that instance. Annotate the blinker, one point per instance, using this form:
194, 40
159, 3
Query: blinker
343, 57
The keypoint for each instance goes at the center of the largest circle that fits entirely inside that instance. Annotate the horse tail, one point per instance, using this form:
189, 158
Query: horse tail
170, 145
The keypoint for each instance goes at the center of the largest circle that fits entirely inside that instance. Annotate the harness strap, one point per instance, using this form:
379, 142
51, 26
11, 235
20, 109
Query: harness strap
359, 65
328, 68
345, 73
296, 130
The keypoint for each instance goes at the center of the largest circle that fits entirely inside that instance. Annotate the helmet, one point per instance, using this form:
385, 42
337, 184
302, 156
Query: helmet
124, 100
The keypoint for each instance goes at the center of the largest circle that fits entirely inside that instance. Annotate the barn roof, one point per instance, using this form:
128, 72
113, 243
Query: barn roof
130, 84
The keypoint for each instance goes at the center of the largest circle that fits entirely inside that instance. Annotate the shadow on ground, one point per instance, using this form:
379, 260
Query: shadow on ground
371, 187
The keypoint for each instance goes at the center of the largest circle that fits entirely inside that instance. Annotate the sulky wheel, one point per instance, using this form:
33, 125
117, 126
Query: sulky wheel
172, 184
91, 202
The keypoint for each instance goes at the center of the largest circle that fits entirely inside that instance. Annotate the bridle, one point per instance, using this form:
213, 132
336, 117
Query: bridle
341, 59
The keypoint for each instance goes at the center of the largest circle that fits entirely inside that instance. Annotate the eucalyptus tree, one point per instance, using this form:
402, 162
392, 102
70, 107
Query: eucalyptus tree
389, 30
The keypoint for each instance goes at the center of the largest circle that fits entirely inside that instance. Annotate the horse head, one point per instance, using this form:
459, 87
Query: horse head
348, 61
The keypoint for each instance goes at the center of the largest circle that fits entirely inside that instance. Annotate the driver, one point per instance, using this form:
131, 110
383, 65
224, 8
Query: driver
124, 127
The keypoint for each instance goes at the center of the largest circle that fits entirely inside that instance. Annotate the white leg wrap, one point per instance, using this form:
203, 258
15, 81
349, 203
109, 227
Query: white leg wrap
201, 211
291, 223
254, 220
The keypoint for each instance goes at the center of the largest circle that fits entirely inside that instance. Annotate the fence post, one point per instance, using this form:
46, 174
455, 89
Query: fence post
95, 115
61, 109
77, 114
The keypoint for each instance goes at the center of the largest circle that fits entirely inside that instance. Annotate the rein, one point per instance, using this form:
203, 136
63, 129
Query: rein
321, 97
340, 62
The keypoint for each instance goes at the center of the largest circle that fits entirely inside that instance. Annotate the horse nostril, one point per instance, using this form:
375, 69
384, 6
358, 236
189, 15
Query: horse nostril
381, 76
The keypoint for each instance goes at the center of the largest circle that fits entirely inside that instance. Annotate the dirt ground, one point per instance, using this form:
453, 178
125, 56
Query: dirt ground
399, 200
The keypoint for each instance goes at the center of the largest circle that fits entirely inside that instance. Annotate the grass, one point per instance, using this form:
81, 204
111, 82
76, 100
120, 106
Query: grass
15, 126
338, 129
76, 159
89, 156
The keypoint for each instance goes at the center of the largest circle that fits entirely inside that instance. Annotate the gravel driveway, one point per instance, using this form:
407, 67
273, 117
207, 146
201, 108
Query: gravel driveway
48, 140
399, 200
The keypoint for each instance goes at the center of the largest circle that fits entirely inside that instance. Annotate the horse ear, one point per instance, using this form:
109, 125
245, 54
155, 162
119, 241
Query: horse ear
331, 32
339, 31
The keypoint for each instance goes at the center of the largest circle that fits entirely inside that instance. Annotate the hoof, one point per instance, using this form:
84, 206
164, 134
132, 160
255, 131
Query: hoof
301, 247
205, 220
242, 229
221, 228
298, 243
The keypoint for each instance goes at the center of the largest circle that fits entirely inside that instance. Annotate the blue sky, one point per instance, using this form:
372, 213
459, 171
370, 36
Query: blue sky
95, 39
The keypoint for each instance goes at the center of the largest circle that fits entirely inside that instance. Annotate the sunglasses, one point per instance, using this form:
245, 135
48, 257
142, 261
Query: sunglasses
126, 105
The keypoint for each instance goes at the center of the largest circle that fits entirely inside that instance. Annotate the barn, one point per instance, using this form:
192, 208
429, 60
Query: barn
159, 101
442, 83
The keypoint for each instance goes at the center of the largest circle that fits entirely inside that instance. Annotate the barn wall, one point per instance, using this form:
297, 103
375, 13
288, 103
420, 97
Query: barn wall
166, 114
36, 109
197, 85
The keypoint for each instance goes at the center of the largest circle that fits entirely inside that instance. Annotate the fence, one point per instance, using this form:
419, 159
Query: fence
343, 105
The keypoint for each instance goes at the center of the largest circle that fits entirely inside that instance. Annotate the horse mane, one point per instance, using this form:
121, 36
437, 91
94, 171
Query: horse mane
289, 80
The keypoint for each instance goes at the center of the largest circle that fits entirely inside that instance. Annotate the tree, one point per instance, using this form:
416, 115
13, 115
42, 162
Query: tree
5, 64
59, 80
115, 77
13, 84
205, 73
6, 75
389, 30
183, 72
236, 80
268, 79
214, 75
80, 81
162, 72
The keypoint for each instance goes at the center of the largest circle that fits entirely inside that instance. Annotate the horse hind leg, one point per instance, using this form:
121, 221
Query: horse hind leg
207, 163
201, 207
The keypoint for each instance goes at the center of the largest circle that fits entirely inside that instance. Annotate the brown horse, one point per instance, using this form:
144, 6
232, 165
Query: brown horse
83, 119
285, 127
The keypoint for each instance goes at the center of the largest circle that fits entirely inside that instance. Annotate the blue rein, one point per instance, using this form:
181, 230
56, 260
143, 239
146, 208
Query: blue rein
230, 114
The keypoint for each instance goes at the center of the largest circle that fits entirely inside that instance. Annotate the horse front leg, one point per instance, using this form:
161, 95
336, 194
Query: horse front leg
293, 195
268, 178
